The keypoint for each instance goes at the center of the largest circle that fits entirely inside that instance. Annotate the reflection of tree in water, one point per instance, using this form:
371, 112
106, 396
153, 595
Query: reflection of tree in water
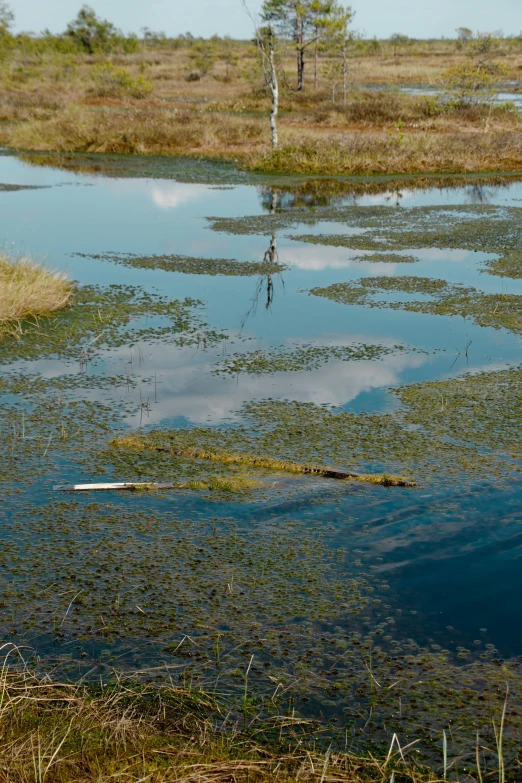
331, 192
316, 193
478, 194
265, 283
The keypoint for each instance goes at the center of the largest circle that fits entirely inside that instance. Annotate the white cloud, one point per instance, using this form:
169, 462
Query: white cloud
169, 195
315, 258
189, 391
163, 193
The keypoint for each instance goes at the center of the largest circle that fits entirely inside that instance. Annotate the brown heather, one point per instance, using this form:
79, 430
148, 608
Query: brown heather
51, 102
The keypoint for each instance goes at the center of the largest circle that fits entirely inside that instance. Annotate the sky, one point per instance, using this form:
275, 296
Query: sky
415, 18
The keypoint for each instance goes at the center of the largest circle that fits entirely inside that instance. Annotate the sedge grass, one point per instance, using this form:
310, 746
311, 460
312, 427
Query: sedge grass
29, 290
134, 732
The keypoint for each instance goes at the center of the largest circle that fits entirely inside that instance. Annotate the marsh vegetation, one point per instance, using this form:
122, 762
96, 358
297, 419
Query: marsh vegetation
29, 290
250, 333
95, 90
248, 602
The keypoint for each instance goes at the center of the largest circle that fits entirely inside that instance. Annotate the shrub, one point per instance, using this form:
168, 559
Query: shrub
114, 82
469, 84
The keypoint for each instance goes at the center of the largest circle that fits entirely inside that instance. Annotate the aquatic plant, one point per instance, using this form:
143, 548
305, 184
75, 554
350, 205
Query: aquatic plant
191, 265
494, 310
300, 358
108, 316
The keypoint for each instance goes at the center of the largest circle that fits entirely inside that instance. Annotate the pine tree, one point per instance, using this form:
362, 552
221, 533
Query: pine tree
305, 22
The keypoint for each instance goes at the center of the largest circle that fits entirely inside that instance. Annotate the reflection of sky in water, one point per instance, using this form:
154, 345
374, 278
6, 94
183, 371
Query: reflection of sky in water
438, 560
187, 392
168, 217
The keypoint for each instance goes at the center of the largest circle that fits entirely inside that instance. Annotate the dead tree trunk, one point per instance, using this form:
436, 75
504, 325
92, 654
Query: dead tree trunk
265, 40
274, 89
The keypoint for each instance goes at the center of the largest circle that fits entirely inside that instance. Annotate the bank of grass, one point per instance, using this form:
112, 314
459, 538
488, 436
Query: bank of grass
133, 733
395, 153
29, 290
161, 99
366, 137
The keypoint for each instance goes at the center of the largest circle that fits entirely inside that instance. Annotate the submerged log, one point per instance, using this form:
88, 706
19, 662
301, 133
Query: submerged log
382, 479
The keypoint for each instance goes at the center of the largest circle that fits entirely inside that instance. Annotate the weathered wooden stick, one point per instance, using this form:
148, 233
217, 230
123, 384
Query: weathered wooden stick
103, 487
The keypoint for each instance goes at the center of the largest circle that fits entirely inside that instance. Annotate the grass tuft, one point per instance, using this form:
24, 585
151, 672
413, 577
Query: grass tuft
29, 290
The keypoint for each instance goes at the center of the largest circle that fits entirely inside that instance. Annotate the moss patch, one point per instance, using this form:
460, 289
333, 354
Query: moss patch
500, 311
191, 265
301, 358
136, 444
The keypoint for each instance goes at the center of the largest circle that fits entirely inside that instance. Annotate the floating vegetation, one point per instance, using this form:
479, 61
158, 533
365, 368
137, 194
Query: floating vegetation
500, 311
386, 258
191, 265
229, 485
509, 265
106, 317
474, 227
214, 599
178, 168
6, 188
301, 358
445, 431
133, 443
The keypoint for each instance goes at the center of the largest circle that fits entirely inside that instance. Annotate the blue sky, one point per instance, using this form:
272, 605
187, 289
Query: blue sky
420, 18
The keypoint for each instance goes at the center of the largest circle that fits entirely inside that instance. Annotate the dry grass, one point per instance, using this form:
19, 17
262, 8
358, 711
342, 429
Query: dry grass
395, 153
368, 136
132, 733
29, 290
142, 131
52, 102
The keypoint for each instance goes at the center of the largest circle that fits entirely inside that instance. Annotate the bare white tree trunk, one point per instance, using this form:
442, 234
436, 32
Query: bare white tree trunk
274, 89
345, 75
266, 48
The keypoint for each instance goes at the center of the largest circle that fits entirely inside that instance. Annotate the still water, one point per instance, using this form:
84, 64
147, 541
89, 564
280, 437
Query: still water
450, 555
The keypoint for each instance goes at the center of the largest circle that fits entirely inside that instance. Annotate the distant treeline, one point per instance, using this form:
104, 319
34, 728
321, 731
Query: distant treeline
90, 34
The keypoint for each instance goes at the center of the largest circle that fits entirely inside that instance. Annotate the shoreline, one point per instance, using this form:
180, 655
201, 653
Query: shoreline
67, 158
